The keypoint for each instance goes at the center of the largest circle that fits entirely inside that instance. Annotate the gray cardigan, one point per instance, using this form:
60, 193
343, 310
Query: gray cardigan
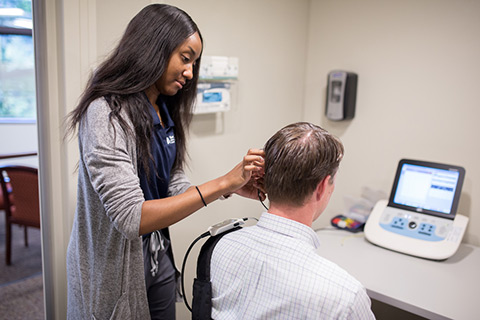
104, 256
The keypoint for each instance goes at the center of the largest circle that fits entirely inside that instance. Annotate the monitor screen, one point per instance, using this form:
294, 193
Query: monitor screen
427, 187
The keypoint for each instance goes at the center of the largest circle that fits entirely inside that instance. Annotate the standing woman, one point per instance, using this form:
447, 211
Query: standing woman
132, 123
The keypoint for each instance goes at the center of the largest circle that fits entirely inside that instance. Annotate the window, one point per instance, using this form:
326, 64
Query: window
17, 70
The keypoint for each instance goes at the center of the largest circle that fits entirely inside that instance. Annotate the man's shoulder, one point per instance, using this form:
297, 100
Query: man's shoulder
329, 274
239, 238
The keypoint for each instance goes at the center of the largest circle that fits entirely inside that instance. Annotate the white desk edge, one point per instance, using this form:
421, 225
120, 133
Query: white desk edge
432, 289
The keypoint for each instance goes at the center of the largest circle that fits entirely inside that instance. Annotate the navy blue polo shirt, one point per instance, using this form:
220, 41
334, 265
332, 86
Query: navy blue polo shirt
163, 150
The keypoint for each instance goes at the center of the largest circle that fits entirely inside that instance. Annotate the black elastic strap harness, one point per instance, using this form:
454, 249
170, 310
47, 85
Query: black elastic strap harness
202, 287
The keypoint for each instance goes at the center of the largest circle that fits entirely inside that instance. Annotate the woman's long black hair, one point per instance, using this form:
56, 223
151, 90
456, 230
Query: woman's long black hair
138, 61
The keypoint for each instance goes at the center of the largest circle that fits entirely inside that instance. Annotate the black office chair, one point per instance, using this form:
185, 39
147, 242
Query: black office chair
19, 186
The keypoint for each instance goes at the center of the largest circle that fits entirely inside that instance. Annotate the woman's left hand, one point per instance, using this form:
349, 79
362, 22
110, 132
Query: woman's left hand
250, 173
253, 189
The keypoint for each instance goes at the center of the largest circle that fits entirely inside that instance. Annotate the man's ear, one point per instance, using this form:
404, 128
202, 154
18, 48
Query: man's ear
322, 187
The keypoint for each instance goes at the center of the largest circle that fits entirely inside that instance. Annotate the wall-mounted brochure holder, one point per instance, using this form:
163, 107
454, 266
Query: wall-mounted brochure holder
217, 74
218, 68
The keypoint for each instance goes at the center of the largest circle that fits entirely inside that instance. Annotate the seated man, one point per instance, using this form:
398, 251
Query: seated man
272, 270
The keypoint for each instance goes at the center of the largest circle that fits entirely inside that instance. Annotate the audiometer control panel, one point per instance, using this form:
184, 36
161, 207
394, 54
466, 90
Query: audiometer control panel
415, 225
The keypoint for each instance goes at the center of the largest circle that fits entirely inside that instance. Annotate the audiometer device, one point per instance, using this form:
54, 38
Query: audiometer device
420, 218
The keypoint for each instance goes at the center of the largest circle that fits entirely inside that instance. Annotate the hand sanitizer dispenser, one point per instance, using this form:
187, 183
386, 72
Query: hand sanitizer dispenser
341, 95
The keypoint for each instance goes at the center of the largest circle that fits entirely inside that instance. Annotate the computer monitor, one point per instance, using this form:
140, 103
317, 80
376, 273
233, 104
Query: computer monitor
427, 187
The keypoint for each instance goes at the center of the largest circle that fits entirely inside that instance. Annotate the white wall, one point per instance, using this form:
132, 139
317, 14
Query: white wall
418, 66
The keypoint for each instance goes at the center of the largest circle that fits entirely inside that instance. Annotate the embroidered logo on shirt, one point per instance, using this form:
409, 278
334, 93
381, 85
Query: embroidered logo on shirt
171, 139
